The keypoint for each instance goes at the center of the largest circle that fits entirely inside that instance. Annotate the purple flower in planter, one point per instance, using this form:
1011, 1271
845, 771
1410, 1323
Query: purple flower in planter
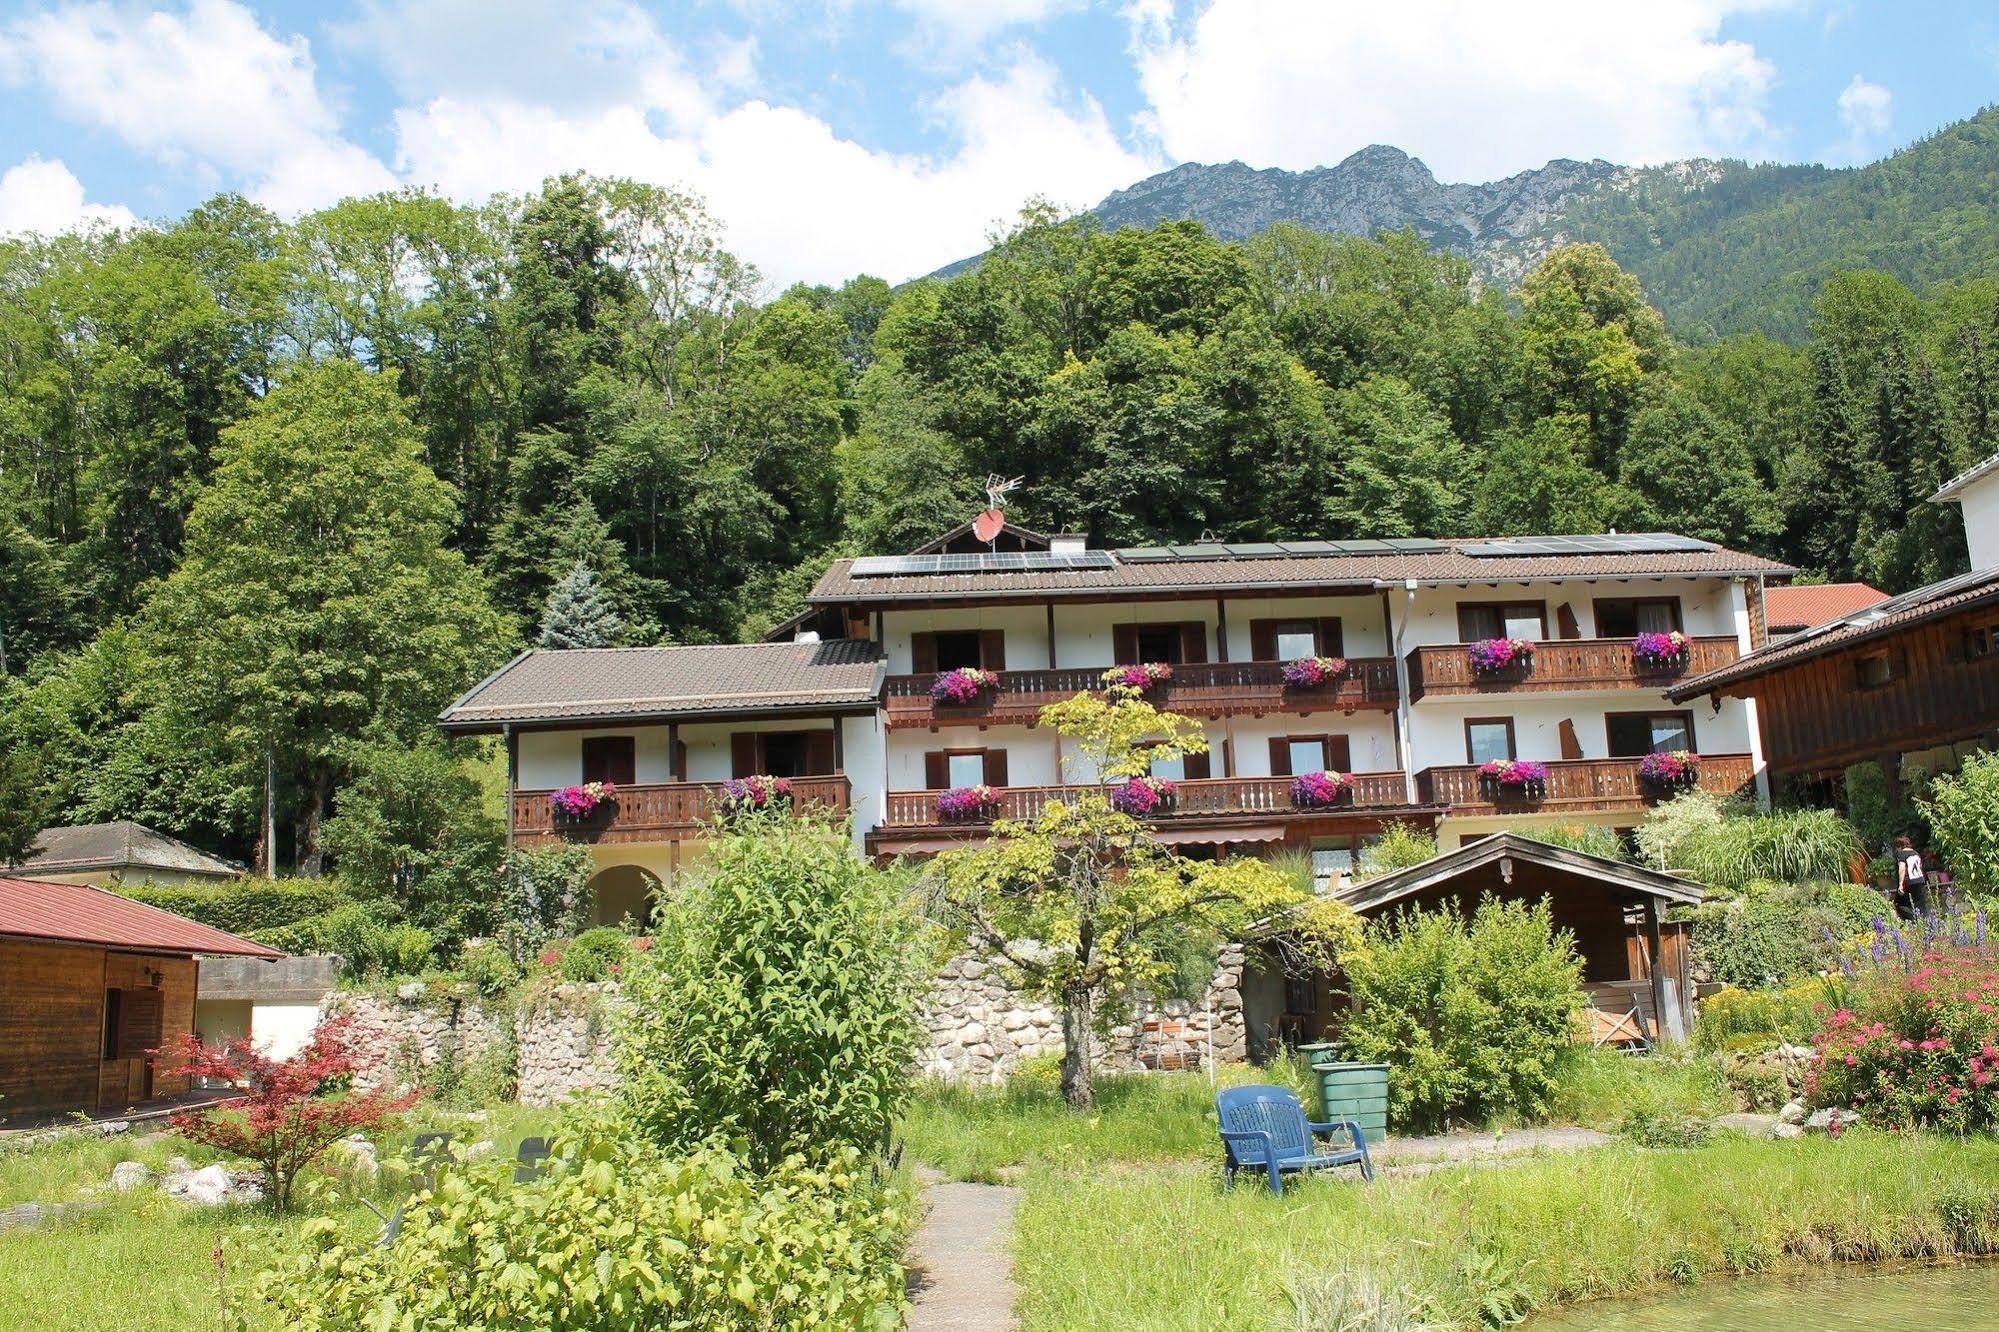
580, 802
1142, 795
1515, 774
1670, 771
1316, 790
963, 685
1314, 672
968, 802
1141, 677
1498, 654
1658, 651
759, 792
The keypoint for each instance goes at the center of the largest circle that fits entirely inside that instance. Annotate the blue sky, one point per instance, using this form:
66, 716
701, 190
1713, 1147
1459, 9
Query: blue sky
831, 137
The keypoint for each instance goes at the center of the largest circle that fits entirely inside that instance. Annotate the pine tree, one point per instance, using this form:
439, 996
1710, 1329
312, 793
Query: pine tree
578, 613
1841, 496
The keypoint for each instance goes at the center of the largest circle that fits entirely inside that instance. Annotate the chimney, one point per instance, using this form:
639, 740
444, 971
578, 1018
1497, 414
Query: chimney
1068, 543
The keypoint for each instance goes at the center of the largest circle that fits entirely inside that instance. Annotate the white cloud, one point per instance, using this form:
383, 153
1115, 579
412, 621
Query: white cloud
1865, 108
46, 197
1478, 90
958, 27
207, 87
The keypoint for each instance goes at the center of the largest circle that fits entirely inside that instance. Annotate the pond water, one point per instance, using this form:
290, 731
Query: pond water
1943, 1299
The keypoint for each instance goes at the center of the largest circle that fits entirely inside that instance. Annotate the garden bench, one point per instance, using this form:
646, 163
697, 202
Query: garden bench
1264, 1128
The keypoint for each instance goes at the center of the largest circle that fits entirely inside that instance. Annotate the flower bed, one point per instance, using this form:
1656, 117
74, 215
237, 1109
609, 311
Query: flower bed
1514, 777
1143, 795
1489, 656
1142, 677
745, 794
576, 803
966, 684
1916, 1046
1317, 790
1314, 672
968, 802
1659, 652
1676, 770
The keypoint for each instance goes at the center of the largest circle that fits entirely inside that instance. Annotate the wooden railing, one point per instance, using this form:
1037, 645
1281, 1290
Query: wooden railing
660, 812
1211, 688
1194, 798
1574, 663
1577, 785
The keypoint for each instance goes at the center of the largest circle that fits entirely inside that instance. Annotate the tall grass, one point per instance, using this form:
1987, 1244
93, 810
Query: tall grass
1726, 849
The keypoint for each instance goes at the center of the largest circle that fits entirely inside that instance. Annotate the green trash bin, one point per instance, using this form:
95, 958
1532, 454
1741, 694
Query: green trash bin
1355, 1091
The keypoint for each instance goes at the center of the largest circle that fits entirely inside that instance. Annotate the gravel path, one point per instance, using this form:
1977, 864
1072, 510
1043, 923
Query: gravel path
961, 1279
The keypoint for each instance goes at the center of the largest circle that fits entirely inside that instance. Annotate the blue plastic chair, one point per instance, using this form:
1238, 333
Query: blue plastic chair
1264, 1128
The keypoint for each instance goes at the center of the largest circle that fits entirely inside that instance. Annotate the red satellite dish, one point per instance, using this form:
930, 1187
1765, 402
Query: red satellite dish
988, 524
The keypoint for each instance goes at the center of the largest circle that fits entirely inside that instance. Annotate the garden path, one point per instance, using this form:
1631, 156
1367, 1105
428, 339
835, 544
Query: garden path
962, 1277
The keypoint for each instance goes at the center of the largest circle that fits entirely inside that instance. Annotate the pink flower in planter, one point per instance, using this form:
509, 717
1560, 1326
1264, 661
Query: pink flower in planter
1316, 790
1656, 650
1314, 672
1142, 795
580, 802
1497, 654
758, 792
1516, 773
963, 685
1670, 771
968, 802
1141, 677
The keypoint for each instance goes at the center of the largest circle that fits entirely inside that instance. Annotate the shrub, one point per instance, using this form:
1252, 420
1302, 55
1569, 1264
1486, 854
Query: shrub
778, 1006
1474, 1019
490, 968
253, 908
1648, 1128
543, 895
1591, 839
1915, 1047
1963, 811
369, 946
1737, 1019
1790, 846
1759, 941
618, 1237
1399, 846
595, 955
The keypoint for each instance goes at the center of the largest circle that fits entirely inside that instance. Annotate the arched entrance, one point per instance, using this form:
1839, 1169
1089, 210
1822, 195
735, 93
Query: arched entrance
623, 891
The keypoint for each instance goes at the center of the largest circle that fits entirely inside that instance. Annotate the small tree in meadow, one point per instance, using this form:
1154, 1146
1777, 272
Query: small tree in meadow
1084, 906
1963, 811
292, 1109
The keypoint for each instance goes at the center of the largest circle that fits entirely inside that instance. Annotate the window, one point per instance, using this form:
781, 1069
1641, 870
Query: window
1980, 641
1171, 769
784, 754
1874, 670
959, 647
1488, 738
965, 769
1159, 642
1479, 620
1628, 617
1307, 755
1636, 734
1331, 862
610, 758
1297, 638
1291, 755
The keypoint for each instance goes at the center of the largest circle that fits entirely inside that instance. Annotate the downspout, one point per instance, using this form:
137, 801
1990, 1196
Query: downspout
1404, 721
513, 772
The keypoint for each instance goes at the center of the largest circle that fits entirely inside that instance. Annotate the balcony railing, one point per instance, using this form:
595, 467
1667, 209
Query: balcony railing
1196, 798
1576, 786
1561, 664
1198, 689
659, 812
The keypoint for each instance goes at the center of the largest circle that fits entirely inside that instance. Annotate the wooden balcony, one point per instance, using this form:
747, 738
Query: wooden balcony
1560, 665
1227, 798
660, 812
1199, 689
1575, 786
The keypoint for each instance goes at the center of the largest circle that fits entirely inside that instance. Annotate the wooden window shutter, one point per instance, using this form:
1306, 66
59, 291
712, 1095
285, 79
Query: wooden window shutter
138, 1023
743, 754
1339, 754
1196, 765
923, 653
1565, 621
995, 767
936, 770
610, 758
1193, 641
1332, 638
1280, 756
1263, 640
1124, 644
818, 753
1572, 748
992, 649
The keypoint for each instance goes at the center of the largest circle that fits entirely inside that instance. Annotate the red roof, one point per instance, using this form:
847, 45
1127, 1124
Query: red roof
78, 913
1803, 607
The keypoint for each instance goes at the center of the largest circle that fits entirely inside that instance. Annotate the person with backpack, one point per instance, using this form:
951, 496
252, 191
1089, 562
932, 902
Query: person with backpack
1912, 888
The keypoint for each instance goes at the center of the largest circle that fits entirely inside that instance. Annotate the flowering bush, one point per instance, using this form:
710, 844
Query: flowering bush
1141, 677
744, 794
1656, 651
1316, 790
1915, 1047
1314, 672
580, 802
968, 802
1142, 795
1674, 771
1498, 654
963, 685
1523, 774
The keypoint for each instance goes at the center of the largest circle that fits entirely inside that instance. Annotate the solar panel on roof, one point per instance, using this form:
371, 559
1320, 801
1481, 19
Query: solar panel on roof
1204, 550
1412, 546
911, 566
1255, 550
1307, 547
1144, 554
1612, 543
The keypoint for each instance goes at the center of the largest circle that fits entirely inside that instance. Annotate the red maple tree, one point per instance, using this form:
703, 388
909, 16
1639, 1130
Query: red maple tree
291, 1110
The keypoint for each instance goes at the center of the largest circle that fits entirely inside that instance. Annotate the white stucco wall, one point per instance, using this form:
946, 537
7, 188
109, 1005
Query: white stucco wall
1980, 501
1707, 606
1370, 737
282, 1030
1030, 753
1437, 730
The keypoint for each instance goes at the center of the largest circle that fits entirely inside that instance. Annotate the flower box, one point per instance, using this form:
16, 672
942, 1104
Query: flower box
1494, 656
968, 802
1515, 778
1314, 672
1320, 790
1143, 796
1676, 770
966, 684
1660, 652
1142, 678
746, 795
584, 802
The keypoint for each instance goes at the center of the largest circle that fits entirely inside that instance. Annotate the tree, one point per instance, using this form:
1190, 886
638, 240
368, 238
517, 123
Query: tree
291, 1110
578, 614
1589, 341
316, 601
1537, 480
1693, 475
24, 808
1083, 905
1963, 810
1402, 473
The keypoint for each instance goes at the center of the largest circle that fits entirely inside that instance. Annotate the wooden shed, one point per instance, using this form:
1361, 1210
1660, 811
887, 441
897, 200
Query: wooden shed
91, 984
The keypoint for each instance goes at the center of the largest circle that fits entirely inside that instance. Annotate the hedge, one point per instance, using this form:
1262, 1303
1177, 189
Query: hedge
284, 913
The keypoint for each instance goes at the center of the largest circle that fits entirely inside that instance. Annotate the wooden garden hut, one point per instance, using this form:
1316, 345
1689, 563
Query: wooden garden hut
1631, 961
91, 984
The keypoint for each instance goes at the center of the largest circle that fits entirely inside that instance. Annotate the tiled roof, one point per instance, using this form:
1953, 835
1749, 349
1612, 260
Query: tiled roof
719, 680
1965, 478
1965, 591
1802, 607
78, 913
1358, 572
119, 845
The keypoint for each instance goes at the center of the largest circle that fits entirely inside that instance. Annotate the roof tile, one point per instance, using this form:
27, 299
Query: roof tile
78, 913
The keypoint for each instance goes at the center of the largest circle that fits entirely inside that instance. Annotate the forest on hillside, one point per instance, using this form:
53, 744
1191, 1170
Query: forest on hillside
272, 493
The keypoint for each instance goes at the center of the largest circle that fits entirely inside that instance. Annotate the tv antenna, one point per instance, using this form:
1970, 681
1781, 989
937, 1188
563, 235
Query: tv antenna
988, 525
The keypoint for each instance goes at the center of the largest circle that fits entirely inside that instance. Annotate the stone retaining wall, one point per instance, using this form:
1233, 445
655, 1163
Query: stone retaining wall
563, 1043
559, 1040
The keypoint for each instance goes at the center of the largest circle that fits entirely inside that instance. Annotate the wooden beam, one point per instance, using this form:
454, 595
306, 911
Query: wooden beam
1653, 969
